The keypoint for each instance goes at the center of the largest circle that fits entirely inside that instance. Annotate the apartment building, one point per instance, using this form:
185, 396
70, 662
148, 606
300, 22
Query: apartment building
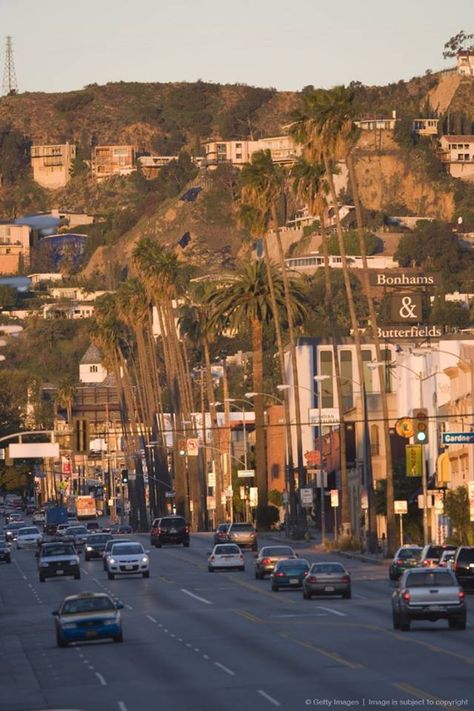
14, 247
457, 153
374, 123
52, 164
425, 126
465, 63
108, 161
283, 150
151, 165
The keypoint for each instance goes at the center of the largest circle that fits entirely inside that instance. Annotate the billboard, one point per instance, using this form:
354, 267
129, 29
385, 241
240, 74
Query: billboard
33, 450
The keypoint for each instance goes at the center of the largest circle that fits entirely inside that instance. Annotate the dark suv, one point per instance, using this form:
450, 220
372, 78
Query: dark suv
463, 566
170, 529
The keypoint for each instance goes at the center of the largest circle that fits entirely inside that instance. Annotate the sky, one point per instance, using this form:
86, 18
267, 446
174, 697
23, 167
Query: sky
63, 45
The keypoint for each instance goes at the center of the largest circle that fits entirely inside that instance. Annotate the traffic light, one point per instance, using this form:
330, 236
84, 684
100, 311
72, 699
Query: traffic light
420, 425
182, 447
124, 476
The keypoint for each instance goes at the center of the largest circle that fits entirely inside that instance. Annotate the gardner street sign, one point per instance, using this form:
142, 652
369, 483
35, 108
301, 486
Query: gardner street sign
458, 437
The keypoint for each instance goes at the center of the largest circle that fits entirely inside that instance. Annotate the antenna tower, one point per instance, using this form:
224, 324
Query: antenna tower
9, 86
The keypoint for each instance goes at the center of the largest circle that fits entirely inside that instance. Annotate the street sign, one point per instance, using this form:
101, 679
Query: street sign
400, 507
414, 459
458, 437
170, 494
329, 416
306, 497
245, 473
211, 479
253, 496
324, 482
192, 447
210, 503
404, 427
364, 501
334, 498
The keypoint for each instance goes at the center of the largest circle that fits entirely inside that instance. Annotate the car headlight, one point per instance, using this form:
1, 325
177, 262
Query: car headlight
69, 625
44, 565
110, 622
145, 559
112, 560
88, 548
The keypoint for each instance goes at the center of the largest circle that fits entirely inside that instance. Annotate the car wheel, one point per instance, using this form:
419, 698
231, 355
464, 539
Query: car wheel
60, 641
186, 544
77, 576
9, 560
404, 622
86, 557
396, 621
258, 576
306, 595
347, 595
255, 548
275, 588
242, 568
110, 576
146, 574
118, 637
41, 579
158, 545
210, 568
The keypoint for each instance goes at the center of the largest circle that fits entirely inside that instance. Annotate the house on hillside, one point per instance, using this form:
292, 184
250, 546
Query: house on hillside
283, 150
457, 153
52, 164
425, 126
465, 62
15, 242
108, 161
374, 123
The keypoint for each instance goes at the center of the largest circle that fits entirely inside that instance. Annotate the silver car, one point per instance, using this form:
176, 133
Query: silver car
268, 557
244, 534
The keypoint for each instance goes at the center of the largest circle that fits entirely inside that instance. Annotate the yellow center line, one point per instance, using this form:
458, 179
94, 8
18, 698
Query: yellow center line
248, 616
330, 655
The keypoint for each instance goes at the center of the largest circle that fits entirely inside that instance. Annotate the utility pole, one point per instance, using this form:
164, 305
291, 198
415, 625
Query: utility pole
10, 86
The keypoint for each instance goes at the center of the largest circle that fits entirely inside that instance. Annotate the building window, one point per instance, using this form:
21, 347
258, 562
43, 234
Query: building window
348, 384
326, 386
93, 369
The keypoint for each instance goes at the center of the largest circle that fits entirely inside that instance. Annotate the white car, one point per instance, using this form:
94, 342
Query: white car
128, 559
39, 517
225, 555
28, 536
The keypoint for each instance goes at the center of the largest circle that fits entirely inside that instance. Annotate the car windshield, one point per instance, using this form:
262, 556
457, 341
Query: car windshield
434, 552
427, 579
171, 522
328, 568
57, 550
98, 538
130, 549
241, 527
292, 564
405, 553
277, 551
226, 550
88, 604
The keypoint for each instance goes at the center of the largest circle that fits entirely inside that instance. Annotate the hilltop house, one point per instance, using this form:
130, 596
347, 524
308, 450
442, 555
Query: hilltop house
15, 242
465, 62
283, 150
52, 164
108, 161
457, 153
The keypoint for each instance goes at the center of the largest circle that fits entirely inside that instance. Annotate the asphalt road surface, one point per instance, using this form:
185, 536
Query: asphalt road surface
195, 641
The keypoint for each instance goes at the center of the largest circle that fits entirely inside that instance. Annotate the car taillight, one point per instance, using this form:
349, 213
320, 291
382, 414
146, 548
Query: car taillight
186, 529
461, 594
241, 557
266, 561
406, 595
312, 579
399, 562
279, 575
160, 530
213, 557
346, 579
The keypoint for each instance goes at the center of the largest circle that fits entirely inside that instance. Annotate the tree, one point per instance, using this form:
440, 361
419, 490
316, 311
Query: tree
457, 508
458, 43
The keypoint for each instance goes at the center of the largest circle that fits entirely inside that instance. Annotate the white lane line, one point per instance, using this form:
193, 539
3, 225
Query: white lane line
206, 657
152, 619
360, 597
268, 697
196, 597
172, 635
225, 669
334, 612
101, 679
196, 649
83, 570
129, 607
122, 706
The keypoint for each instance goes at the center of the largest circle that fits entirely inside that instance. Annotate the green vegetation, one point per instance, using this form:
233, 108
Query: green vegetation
351, 243
74, 102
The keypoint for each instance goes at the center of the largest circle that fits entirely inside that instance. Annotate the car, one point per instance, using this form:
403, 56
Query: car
120, 529
220, 534
92, 526
269, 556
61, 530
289, 574
447, 559
88, 616
225, 555
127, 559
172, 529
407, 556
432, 553
58, 559
39, 518
328, 578
14, 517
11, 529
76, 534
108, 548
463, 566
428, 594
244, 534
28, 536
5, 552
154, 531
30, 508
95, 545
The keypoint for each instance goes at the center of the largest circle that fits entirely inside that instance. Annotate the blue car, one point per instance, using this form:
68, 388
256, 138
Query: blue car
86, 617
289, 573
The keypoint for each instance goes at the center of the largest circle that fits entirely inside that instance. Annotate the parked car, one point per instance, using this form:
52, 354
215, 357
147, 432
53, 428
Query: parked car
95, 545
244, 534
220, 534
88, 616
58, 559
407, 556
172, 529
127, 559
225, 555
327, 579
428, 594
463, 566
14, 517
289, 574
5, 552
108, 548
28, 536
269, 556
432, 553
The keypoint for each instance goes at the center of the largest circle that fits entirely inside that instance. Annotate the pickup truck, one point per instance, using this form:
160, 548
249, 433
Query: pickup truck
428, 594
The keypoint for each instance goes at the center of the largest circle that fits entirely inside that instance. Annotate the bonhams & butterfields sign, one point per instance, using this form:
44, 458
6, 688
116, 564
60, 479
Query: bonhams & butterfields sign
404, 279
411, 332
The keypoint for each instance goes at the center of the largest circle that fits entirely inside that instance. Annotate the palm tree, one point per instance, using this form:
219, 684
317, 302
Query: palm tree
309, 185
263, 188
241, 301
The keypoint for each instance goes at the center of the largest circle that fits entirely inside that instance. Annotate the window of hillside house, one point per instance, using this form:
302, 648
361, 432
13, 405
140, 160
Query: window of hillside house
93, 369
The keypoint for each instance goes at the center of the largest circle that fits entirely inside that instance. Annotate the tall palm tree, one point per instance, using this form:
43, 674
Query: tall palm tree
263, 188
243, 300
309, 185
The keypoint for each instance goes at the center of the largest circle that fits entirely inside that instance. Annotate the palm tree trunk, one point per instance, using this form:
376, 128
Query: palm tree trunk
216, 453
391, 526
260, 447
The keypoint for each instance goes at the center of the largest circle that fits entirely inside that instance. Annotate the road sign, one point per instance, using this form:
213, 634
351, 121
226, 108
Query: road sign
211, 479
414, 459
458, 437
306, 496
211, 503
170, 494
334, 498
245, 473
192, 447
404, 427
253, 496
400, 507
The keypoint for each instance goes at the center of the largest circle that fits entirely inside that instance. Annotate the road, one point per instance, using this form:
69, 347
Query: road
196, 641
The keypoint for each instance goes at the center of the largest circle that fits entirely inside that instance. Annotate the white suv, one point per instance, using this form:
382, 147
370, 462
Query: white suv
127, 559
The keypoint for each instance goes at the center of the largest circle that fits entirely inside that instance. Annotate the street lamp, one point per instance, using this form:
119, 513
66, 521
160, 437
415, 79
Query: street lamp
251, 395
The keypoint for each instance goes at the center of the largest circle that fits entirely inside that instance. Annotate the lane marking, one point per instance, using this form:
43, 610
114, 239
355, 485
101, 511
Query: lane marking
268, 697
330, 655
206, 657
248, 616
129, 607
83, 570
101, 679
152, 619
334, 612
122, 706
196, 597
225, 669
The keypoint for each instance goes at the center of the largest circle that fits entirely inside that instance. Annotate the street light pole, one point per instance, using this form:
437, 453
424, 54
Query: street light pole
319, 380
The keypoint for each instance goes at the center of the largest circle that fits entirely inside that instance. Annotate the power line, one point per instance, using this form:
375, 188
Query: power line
10, 86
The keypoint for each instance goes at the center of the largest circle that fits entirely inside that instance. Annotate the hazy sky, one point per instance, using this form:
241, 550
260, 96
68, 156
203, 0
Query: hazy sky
61, 45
